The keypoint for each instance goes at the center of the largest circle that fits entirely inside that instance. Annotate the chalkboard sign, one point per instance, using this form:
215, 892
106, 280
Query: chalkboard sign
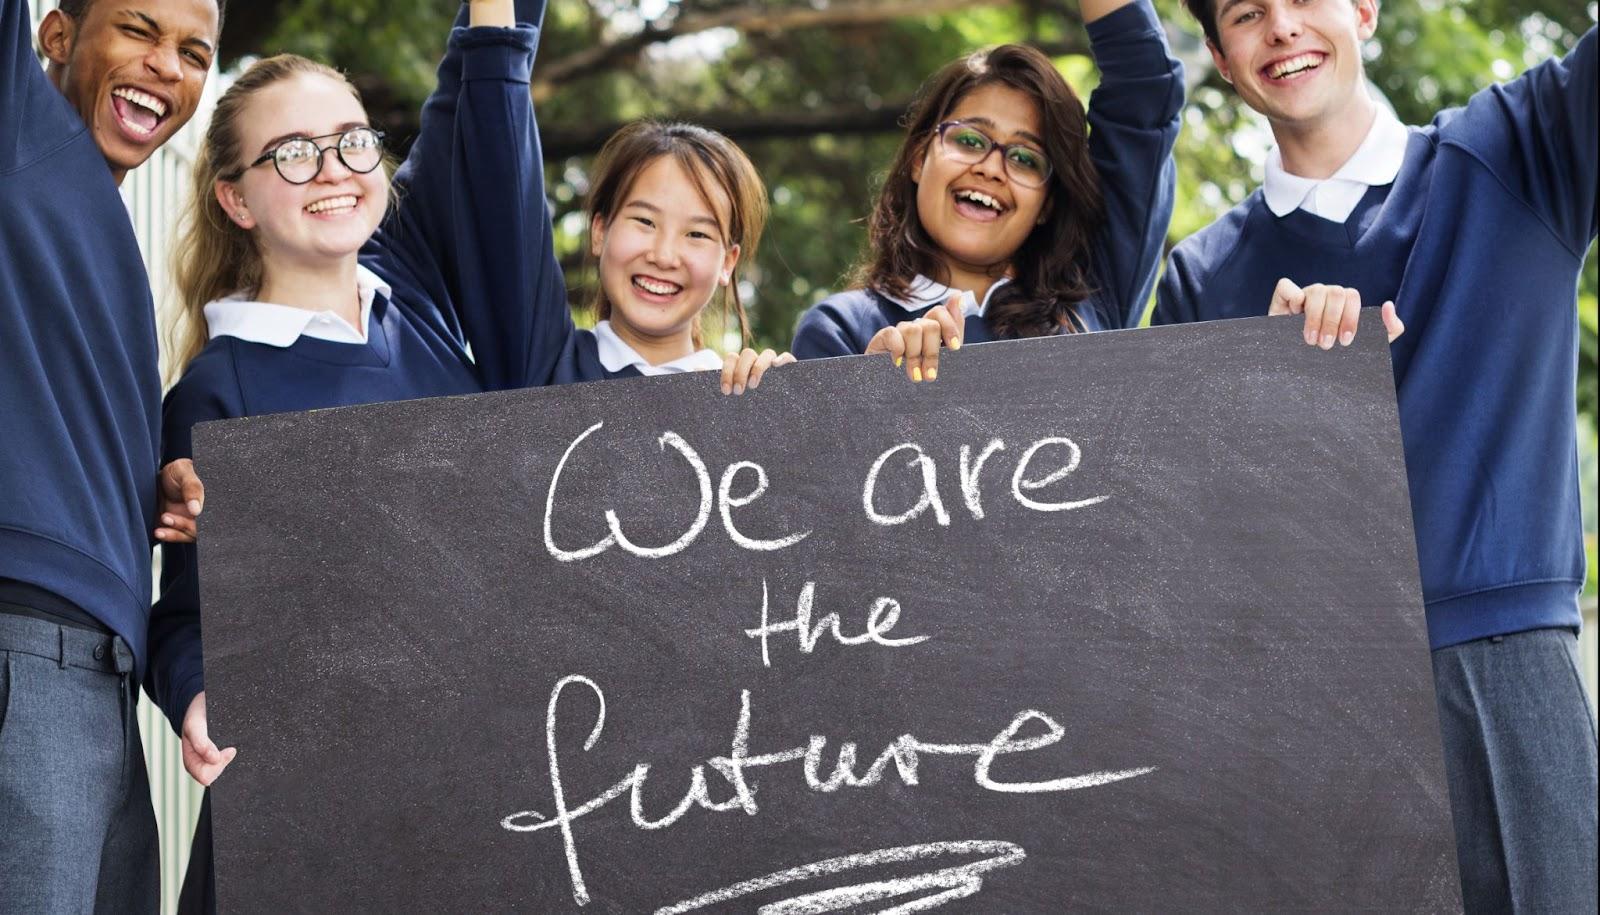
1125, 620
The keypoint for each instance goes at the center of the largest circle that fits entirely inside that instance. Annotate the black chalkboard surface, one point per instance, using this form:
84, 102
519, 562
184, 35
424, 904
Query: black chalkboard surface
1122, 621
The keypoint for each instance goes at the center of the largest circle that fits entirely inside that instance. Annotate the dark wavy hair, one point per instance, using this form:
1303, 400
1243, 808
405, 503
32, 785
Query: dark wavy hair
77, 8
1051, 269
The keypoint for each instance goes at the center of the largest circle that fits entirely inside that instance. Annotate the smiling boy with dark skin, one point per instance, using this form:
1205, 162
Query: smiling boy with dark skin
80, 393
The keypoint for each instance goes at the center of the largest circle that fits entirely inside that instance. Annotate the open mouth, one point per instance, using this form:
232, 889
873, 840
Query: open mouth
1291, 67
138, 112
978, 205
656, 288
332, 206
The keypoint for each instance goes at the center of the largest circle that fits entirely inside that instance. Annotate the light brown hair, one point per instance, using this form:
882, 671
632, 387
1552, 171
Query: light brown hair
704, 155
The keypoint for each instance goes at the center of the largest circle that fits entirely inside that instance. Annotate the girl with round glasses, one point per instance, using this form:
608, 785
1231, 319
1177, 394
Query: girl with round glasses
1010, 212
307, 281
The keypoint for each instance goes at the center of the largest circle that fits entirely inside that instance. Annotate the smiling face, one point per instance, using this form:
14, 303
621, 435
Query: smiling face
134, 70
976, 214
662, 255
331, 216
1296, 61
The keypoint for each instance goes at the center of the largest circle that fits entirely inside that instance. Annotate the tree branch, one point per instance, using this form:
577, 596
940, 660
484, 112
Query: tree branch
747, 19
583, 141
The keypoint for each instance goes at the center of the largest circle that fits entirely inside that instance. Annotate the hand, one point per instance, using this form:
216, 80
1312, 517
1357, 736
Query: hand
745, 369
182, 495
1332, 312
916, 343
201, 758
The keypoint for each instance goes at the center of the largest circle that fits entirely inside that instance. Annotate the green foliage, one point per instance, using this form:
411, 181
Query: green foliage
1427, 55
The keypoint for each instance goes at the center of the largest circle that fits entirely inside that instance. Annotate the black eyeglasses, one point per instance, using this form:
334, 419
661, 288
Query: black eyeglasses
299, 160
967, 144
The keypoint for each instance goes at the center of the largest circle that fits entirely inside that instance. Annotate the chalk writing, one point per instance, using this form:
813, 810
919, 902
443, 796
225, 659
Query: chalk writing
884, 614
904, 752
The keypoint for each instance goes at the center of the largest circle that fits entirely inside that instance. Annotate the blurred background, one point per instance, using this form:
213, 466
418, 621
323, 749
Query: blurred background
814, 91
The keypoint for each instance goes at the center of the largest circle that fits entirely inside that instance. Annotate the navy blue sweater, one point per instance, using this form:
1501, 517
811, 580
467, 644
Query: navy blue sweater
1133, 123
1479, 242
456, 252
80, 392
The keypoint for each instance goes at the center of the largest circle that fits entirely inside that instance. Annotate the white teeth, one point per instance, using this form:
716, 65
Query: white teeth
142, 99
979, 198
332, 203
1294, 65
655, 287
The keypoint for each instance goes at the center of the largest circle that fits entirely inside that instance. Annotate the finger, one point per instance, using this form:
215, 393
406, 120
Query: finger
1392, 323
949, 327
172, 535
1351, 319
932, 340
741, 375
912, 332
181, 486
958, 321
1316, 303
888, 341
763, 362
784, 358
1332, 314
730, 363
1287, 298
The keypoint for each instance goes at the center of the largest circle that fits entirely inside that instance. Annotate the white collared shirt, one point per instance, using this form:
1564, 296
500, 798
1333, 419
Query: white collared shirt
1375, 162
923, 293
616, 355
239, 316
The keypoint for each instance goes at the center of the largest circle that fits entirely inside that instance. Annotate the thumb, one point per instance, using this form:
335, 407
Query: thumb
1392, 323
1287, 298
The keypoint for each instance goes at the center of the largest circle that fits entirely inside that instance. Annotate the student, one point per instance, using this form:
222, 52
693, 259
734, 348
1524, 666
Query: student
673, 209
80, 395
1007, 203
1476, 227
307, 283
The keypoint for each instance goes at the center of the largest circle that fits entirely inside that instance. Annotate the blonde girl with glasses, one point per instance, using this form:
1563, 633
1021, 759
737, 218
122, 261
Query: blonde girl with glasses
1011, 212
308, 280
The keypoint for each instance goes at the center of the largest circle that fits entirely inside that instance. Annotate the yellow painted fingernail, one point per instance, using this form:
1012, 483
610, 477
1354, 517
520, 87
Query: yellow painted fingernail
932, 374
916, 374
898, 360
955, 343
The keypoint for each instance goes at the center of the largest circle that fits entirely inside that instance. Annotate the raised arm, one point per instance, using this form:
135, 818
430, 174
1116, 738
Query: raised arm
1540, 134
472, 225
1133, 124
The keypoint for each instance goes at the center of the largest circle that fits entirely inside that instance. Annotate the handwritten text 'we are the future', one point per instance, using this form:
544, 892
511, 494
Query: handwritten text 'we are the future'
1029, 476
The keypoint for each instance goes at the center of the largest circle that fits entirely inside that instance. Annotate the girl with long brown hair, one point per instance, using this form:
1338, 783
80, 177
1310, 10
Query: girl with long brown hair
1011, 212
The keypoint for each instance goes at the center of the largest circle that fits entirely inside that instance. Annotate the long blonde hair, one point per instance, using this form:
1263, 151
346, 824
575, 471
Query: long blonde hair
213, 256
702, 154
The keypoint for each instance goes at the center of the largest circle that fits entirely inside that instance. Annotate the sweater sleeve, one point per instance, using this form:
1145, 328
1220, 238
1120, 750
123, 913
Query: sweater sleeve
513, 302
824, 331
1175, 298
472, 224
37, 117
174, 674
1540, 134
1133, 124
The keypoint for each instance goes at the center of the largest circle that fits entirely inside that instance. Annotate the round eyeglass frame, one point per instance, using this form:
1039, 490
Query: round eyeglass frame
340, 144
965, 155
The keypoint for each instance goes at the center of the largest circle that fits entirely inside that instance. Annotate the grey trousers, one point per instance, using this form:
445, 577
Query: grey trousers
1520, 755
77, 831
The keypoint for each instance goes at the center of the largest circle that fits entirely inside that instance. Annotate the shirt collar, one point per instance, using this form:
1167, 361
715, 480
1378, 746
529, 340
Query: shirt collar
277, 325
925, 293
616, 355
1375, 162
